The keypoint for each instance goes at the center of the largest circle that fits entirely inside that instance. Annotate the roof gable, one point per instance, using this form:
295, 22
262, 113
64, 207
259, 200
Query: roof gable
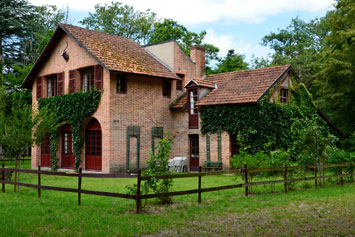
201, 83
243, 87
110, 51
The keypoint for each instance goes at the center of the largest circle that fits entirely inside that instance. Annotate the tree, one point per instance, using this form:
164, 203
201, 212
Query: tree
336, 78
232, 62
123, 20
299, 45
22, 127
14, 14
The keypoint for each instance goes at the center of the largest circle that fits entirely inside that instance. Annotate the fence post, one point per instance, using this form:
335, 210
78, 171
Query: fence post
39, 181
199, 185
285, 178
79, 186
352, 172
138, 197
341, 177
246, 179
3, 177
315, 176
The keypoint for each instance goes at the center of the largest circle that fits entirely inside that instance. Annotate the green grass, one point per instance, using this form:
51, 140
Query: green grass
324, 211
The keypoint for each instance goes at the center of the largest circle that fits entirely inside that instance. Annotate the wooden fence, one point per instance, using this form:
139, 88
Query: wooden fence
318, 177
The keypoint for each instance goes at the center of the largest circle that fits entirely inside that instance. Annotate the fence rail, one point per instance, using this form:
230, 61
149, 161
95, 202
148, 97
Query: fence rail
318, 177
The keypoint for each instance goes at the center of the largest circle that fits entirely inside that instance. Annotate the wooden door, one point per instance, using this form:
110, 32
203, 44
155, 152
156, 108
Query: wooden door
93, 146
68, 158
194, 152
46, 152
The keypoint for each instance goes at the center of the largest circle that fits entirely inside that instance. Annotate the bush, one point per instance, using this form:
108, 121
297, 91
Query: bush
157, 165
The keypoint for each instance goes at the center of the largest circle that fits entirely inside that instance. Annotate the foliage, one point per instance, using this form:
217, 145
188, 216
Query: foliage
264, 126
157, 165
123, 20
312, 137
257, 160
14, 16
232, 62
73, 109
337, 68
298, 45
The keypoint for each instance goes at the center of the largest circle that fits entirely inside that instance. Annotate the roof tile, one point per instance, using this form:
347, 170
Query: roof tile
242, 87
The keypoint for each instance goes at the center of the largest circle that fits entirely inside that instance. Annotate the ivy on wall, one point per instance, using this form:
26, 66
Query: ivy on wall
73, 109
264, 126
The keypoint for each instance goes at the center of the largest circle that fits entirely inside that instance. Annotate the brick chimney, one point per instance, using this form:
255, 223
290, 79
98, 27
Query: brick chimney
197, 54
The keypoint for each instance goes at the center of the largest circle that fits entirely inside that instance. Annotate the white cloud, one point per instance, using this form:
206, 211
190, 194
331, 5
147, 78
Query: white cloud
226, 42
207, 11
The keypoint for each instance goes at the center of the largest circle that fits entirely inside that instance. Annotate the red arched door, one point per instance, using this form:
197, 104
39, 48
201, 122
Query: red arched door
93, 144
46, 152
68, 157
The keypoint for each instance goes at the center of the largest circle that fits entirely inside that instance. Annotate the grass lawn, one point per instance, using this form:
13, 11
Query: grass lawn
328, 210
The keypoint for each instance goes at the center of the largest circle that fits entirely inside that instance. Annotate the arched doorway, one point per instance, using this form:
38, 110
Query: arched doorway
68, 158
46, 152
93, 146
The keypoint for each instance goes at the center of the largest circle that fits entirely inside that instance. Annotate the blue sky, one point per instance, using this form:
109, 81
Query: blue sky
237, 24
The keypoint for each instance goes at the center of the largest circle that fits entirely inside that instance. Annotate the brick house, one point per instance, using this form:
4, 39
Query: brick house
147, 91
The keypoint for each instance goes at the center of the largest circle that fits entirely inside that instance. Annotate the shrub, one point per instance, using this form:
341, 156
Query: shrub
157, 165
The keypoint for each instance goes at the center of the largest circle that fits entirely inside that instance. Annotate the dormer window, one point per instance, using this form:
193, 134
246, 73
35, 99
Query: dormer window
88, 80
193, 101
284, 95
52, 89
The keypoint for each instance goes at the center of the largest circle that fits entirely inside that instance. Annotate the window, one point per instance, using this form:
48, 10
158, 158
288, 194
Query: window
66, 143
52, 88
179, 82
284, 95
93, 143
194, 145
88, 81
121, 84
167, 88
193, 100
45, 146
179, 85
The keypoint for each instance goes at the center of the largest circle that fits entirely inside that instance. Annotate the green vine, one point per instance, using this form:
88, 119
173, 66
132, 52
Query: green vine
73, 109
264, 126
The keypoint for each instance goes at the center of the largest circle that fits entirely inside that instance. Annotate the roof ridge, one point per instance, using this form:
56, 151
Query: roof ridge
96, 31
245, 70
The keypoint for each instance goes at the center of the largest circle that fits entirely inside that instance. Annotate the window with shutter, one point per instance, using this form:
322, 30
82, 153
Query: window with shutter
60, 83
52, 89
87, 79
39, 87
98, 70
72, 74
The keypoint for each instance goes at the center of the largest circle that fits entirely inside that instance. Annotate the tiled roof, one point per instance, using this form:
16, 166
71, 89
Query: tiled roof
202, 83
118, 53
242, 87
180, 102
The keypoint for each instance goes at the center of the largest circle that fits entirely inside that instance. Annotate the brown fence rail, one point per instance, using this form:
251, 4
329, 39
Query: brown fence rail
319, 179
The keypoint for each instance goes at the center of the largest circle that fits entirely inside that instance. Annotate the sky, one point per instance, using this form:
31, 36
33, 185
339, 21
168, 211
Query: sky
230, 24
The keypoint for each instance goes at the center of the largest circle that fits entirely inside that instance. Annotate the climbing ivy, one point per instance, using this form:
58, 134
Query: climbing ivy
73, 109
266, 125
